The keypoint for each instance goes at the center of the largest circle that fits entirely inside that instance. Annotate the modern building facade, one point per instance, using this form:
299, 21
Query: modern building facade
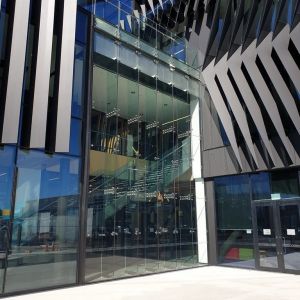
145, 136
251, 133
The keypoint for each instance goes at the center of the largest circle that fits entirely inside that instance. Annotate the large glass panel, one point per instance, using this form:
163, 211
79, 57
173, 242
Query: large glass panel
184, 187
106, 165
128, 104
105, 46
149, 144
45, 226
108, 11
165, 117
234, 221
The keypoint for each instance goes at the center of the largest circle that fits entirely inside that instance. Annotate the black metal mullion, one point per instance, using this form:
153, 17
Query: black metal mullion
53, 103
255, 235
86, 134
278, 233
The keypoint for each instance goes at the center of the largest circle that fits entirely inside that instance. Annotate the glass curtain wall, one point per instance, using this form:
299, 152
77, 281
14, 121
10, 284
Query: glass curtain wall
141, 199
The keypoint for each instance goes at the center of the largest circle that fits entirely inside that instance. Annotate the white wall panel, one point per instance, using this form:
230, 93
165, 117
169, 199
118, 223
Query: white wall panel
66, 77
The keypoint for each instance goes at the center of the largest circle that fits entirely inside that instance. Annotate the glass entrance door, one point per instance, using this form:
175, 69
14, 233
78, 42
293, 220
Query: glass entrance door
276, 226
289, 213
266, 236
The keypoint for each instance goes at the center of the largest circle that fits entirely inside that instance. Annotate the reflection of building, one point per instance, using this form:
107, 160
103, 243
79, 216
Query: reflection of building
102, 104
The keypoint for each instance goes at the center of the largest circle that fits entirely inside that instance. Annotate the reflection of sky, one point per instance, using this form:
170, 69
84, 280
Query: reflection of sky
7, 158
41, 176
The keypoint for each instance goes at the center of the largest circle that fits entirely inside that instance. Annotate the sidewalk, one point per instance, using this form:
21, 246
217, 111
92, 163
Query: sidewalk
200, 283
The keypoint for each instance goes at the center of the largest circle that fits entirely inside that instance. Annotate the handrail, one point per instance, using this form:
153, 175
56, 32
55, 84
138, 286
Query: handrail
126, 168
295, 198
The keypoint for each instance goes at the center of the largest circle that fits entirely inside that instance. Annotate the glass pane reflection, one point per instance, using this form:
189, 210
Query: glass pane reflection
45, 227
7, 159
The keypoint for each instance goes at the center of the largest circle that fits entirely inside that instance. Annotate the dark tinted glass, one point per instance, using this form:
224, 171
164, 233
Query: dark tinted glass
81, 25
286, 183
75, 140
234, 221
260, 185
79, 80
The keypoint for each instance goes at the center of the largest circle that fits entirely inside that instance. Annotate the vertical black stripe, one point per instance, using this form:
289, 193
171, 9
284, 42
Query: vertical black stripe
10, 9
86, 152
53, 101
29, 95
294, 52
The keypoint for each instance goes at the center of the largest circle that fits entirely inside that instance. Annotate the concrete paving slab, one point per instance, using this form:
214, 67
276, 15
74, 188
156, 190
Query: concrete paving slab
208, 283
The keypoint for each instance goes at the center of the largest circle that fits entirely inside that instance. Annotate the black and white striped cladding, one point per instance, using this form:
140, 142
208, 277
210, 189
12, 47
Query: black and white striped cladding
280, 45
216, 95
255, 68
295, 36
30, 36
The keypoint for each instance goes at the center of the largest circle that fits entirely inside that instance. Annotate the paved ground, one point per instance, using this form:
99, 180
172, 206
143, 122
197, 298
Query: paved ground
200, 283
